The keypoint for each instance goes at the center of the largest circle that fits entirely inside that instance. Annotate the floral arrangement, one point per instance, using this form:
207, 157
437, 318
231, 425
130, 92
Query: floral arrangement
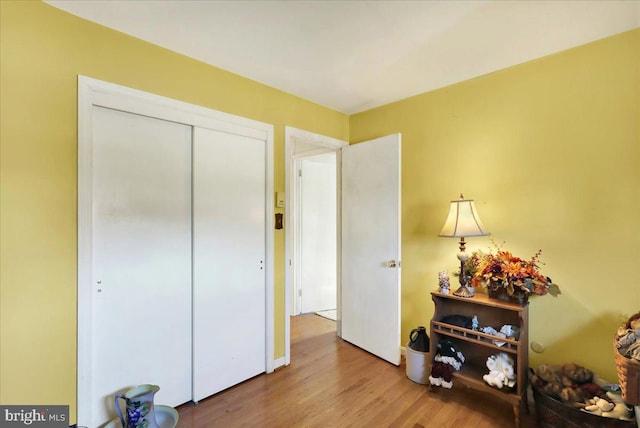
515, 275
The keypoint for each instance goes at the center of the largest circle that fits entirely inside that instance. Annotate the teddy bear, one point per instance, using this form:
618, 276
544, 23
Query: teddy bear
501, 372
620, 409
570, 383
546, 380
573, 374
611, 407
578, 383
447, 360
598, 405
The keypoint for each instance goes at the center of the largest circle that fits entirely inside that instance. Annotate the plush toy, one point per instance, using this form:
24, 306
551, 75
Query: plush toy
627, 339
613, 407
620, 409
501, 371
447, 360
547, 374
591, 390
547, 381
461, 321
571, 395
633, 323
573, 374
570, 383
598, 405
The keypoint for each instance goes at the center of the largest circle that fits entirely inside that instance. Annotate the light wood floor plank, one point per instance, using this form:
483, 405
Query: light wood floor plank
331, 383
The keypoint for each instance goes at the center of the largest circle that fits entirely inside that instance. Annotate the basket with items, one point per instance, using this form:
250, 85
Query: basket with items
627, 352
572, 396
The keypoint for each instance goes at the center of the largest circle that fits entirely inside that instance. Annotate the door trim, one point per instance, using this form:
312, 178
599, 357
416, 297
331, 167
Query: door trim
323, 144
93, 92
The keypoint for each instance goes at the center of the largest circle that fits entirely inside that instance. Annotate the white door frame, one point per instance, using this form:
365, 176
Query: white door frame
92, 92
323, 144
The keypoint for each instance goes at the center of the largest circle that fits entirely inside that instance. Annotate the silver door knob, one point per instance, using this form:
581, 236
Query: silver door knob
392, 263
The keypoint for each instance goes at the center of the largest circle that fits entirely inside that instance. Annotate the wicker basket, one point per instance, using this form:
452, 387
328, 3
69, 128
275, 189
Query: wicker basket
628, 371
552, 413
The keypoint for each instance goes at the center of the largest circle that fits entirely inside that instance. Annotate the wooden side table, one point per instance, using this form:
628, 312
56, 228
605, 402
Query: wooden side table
477, 346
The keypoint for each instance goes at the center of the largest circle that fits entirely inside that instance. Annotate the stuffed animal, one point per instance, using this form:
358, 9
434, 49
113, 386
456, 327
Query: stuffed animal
591, 390
501, 372
613, 407
458, 320
573, 374
547, 381
447, 360
570, 383
620, 409
598, 405
633, 323
571, 395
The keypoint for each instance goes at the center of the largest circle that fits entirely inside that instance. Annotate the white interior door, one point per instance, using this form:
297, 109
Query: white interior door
141, 283
371, 246
318, 239
229, 290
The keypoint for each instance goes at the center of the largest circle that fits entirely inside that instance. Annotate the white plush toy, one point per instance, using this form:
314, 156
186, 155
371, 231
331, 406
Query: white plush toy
598, 405
501, 371
620, 409
613, 407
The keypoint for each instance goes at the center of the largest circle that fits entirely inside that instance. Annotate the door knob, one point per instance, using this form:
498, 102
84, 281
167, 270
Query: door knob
392, 263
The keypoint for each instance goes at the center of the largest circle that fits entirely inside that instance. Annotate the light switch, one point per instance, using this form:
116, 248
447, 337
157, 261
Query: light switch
280, 199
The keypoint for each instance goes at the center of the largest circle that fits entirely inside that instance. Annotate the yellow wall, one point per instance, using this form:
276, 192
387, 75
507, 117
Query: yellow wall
42, 51
550, 151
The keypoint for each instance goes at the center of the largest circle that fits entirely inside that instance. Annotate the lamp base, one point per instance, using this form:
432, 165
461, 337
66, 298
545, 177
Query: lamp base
464, 291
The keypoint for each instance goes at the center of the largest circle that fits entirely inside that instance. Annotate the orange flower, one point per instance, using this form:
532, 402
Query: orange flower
510, 272
513, 269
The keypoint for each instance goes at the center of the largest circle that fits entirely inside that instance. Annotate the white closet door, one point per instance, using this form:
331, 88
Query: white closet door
229, 332
141, 285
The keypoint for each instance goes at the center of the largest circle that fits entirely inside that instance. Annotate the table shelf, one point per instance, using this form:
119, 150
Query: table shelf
477, 346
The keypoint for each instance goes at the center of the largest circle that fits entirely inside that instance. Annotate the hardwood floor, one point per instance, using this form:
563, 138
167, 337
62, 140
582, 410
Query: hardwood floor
331, 383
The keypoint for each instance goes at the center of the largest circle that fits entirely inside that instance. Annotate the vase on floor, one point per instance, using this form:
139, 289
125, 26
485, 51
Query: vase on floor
140, 412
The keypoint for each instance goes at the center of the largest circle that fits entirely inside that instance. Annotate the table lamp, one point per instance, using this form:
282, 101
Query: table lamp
463, 221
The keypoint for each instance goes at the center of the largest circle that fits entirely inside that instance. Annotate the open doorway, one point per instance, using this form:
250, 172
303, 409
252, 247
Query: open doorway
315, 239
312, 174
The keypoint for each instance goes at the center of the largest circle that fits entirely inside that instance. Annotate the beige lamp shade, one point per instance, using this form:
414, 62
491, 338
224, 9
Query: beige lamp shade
463, 221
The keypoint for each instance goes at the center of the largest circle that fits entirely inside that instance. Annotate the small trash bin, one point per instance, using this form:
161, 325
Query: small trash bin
418, 357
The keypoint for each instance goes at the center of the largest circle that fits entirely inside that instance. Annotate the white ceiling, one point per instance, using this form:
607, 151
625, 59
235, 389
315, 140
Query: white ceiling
355, 55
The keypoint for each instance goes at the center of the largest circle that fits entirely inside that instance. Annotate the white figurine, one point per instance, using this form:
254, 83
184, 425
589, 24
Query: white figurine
443, 281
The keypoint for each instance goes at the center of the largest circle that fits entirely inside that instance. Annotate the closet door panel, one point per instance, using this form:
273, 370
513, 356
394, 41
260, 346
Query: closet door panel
141, 285
228, 264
